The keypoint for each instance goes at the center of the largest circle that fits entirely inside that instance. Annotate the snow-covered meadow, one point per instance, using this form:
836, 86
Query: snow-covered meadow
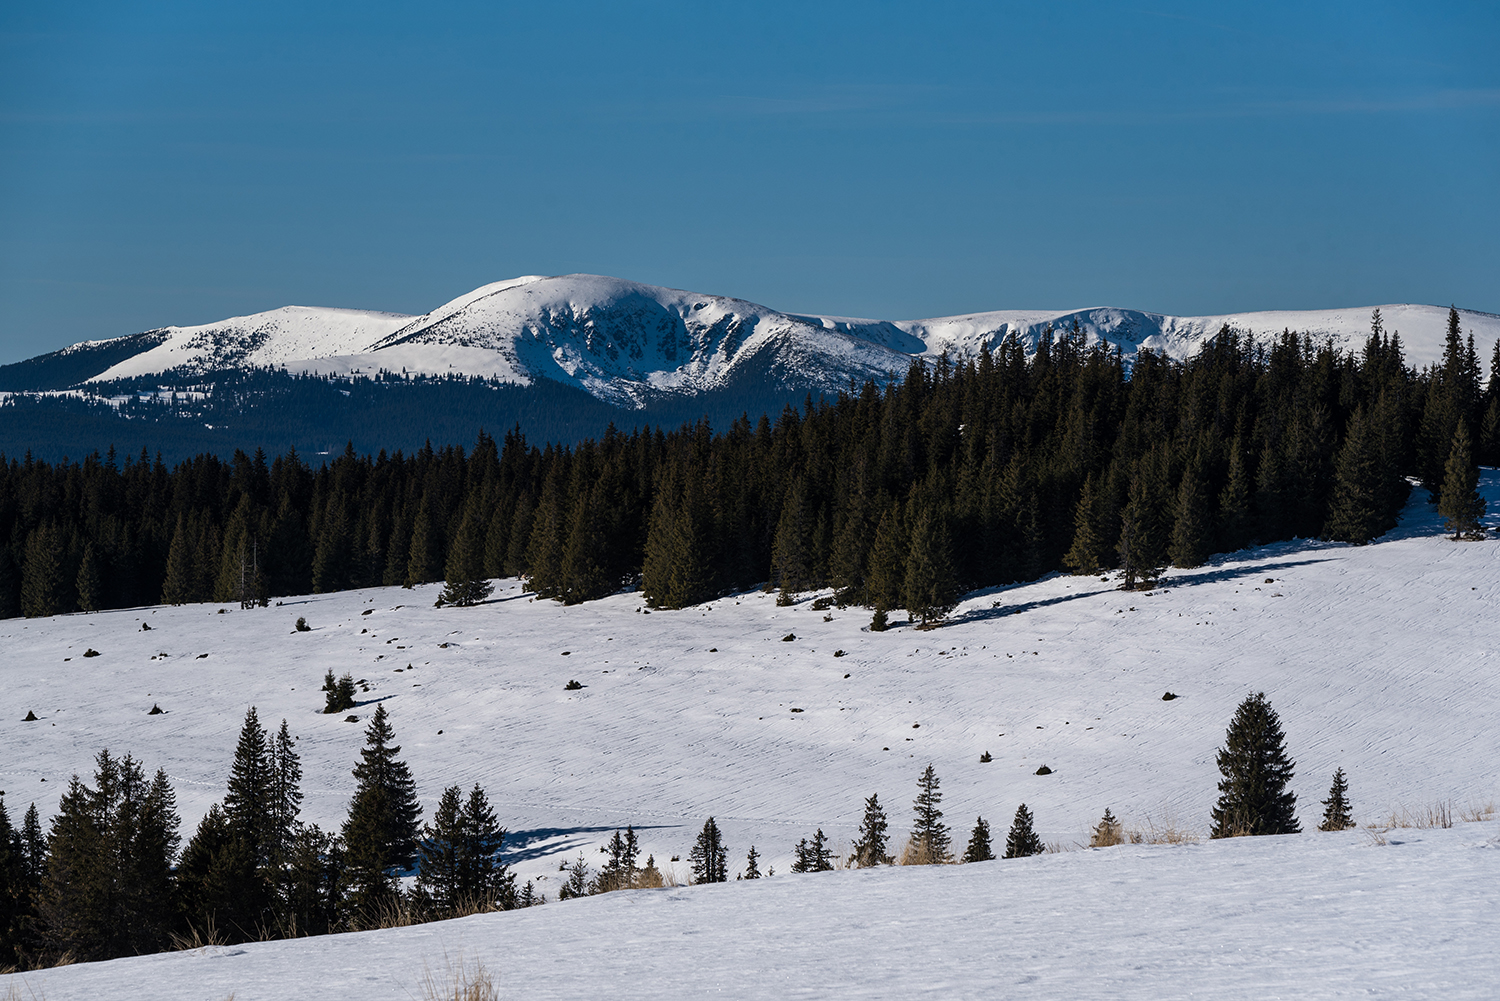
1381, 660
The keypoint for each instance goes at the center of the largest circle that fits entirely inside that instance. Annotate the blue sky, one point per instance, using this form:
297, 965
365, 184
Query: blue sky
182, 162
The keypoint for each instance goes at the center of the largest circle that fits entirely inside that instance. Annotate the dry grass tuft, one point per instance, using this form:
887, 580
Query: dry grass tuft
1439, 814
920, 853
1377, 835
1476, 813
461, 981
198, 938
1168, 831
14, 993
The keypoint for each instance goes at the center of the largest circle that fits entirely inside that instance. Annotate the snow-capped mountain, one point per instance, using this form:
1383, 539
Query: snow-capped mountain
627, 343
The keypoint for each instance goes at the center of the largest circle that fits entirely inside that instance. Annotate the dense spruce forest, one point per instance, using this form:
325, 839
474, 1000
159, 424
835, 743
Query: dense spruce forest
961, 475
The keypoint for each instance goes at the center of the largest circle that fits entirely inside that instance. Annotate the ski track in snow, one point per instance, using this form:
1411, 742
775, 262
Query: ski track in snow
1379, 659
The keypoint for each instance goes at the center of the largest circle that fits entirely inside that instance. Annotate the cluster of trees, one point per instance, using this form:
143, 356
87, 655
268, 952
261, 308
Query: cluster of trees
1053, 460
107, 879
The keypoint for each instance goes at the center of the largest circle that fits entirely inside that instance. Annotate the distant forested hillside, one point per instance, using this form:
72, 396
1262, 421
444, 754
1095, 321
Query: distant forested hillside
956, 477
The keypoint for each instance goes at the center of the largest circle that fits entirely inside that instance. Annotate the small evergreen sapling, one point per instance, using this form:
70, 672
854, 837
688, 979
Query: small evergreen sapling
979, 849
870, 849
752, 864
1107, 832
1336, 811
1022, 840
814, 856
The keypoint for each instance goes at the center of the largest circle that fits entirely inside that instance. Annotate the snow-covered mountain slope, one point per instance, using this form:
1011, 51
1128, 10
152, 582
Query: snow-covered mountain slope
274, 338
1309, 917
628, 343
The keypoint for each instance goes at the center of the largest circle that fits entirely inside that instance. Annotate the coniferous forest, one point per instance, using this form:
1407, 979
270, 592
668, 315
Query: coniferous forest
1057, 460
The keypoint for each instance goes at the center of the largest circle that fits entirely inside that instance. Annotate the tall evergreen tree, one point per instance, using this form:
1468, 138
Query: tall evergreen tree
887, 576
180, 585
709, 857
90, 583
397, 821
1143, 530
1022, 840
248, 801
465, 583
286, 793
1086, 555
1460, 503
931, 590
813, 856
1354, 513
1336, 812
1253, 795
929, 835
42, 577
1192, 530
870, 848
458, 864
979, 849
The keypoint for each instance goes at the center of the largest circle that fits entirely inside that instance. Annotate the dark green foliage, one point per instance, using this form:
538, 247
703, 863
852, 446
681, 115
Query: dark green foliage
458, 863
813, 856
15, 895
1336, 811
577, 883
1022, 839
1087, 554
979, 849
752, 864
90, 583
465, 574
311, 884
929, 835
1460, 503
620, 871
870, 848
109, 881
1355, 513
1192, 531
931, 590
1253, 798
381, 829
709, 857
338, 695
42, 590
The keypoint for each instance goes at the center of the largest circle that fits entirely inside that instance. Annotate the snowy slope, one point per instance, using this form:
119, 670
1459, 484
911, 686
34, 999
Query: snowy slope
262, 339
1380, 660
1307, 917
627, 343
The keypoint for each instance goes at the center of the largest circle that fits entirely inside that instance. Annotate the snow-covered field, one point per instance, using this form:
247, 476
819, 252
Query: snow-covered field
1381, 660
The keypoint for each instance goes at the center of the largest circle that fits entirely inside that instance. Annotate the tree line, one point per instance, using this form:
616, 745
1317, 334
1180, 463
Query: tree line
1056, 460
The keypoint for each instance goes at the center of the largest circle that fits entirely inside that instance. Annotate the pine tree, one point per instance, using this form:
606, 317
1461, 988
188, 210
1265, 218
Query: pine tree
424, 562
870, 848
1192, 531
813, 856
1086, 555
90, 584
1234, 502
465, 583
1460, 503
931, 590
286, 794
33, 848
709, 858
1336, 813
42, 574
887, 575
1022, 841
396, 813
458, 864
1253, 798
247, 803
1143, 536
1107, 832
179, 585
1354, 513
312, 897
13, 891
979, 849
619, 873
752, 864
930, 837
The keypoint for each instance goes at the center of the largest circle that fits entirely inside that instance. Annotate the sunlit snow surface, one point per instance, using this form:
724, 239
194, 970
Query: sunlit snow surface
1381, 660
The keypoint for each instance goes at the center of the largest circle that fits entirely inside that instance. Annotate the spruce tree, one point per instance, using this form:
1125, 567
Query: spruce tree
42, 575
1022, 840
979, 849
286, 793
33, 848
813, 856
1460, 503
465, 583
752, 864
90, 583
1235, 522
1143, 533
1336, 812
931, 590
1354, 513
1192, 531
312, 895
1086, 554
178, 587
709, 857
929, 835
887, 574
395, 814
870, 848
1253, 794
247, 803
13, 891
458, 864
1107, 832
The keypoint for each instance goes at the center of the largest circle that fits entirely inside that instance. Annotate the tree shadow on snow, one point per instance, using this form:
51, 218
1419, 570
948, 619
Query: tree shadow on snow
1178, 578
526, 846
